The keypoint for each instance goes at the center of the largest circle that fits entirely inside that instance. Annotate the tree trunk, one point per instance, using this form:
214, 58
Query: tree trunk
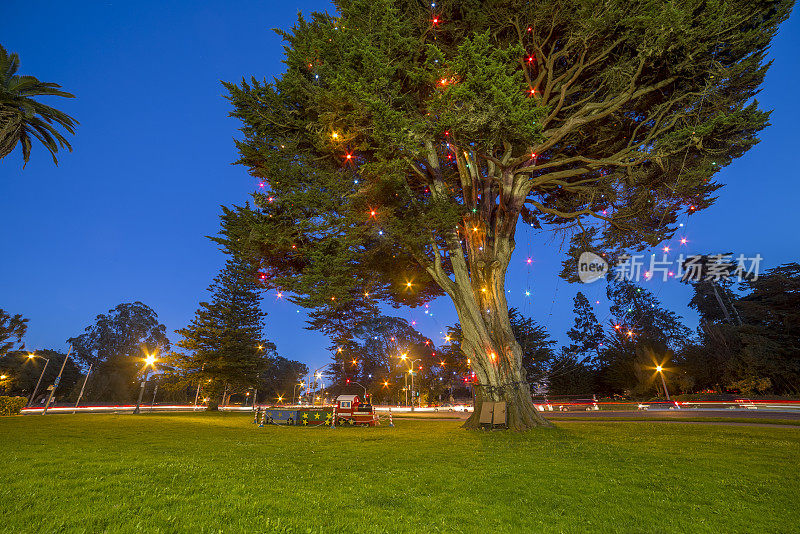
488, 341
477, 289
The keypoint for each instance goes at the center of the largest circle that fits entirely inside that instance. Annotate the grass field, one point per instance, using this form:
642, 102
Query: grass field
220, 473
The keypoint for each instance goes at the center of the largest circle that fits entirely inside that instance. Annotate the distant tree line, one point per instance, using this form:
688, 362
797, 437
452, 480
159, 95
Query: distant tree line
748, 342
222, 353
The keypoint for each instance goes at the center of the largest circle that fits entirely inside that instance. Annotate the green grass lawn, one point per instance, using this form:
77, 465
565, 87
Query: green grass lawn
220, 473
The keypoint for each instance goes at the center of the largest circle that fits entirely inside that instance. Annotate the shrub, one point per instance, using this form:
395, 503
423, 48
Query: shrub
12, 405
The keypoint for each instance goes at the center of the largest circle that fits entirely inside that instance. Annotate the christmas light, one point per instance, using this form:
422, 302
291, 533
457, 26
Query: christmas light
530, 261
666, 249
335, 136
683, 241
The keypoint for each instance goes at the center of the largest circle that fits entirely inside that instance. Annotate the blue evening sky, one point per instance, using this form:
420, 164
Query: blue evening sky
125, 215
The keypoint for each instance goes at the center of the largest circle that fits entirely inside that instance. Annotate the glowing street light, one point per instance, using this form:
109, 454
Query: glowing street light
31, 356
149, 363
294, 390
660, 371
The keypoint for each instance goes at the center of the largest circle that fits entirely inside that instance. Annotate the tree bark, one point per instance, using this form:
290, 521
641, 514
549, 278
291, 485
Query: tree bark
477, 288
487, 338
496, 358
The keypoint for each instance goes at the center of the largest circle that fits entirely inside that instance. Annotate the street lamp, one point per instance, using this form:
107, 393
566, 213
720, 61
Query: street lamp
356, 383
294, 390
56, 382
149, 361
31, 356
660, 371
411, 372
317, 375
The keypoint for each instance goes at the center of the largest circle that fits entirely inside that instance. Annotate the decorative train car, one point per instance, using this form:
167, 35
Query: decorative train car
351, 411
306, 416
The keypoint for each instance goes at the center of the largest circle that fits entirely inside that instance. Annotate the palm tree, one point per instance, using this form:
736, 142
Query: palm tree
22, 117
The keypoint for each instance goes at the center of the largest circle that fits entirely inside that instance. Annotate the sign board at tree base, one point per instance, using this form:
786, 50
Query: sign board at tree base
493, 413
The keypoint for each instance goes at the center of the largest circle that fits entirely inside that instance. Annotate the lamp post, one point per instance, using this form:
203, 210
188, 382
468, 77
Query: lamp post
317, 375
46, 361
155, 390
199, 381
294, 391
411, 372
356, 383
57, 380
149, 361
660, 371
80, 395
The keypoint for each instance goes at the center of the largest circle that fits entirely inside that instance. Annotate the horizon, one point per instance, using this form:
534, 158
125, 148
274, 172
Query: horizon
125, 215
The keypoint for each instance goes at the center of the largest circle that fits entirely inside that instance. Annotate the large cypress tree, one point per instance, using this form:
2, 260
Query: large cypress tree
225, 344
406, 140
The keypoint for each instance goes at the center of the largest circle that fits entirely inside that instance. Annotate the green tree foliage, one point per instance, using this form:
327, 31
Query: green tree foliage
225, 343
22, 117
12, 329
572, 371
748, 342
24, 373
586, 334
643, 335
116, 345
770, 335
537, 347
706, 361
280, 377
402, 146
372, 355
